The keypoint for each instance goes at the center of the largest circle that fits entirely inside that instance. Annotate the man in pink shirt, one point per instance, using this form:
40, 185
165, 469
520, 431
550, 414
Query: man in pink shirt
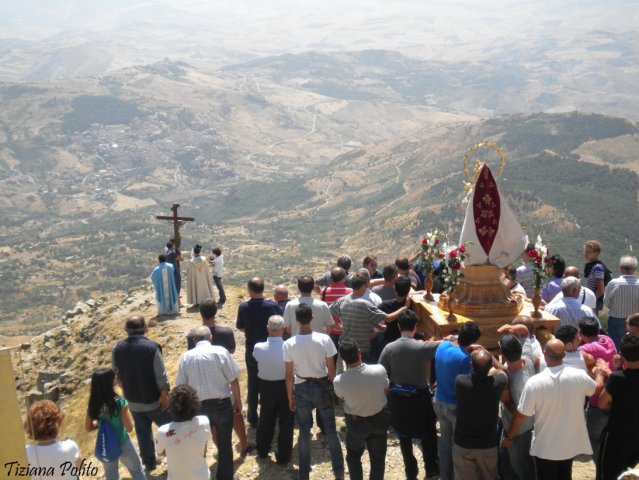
600, 347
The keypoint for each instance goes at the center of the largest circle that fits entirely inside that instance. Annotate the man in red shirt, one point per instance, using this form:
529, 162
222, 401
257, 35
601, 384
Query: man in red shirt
336, 290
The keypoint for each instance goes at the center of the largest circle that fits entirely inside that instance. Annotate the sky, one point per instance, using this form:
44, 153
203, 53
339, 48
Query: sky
425, 29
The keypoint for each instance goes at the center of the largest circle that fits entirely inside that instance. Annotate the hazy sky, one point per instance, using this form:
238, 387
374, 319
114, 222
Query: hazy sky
426, 29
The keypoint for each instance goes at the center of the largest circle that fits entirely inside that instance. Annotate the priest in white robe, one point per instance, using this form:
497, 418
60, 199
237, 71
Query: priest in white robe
491, 233
199, 284
166, 295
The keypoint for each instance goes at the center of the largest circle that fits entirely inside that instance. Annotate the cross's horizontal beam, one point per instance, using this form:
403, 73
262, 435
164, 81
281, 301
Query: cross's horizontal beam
186, 219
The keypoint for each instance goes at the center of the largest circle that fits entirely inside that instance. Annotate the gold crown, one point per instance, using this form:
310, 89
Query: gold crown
478, 164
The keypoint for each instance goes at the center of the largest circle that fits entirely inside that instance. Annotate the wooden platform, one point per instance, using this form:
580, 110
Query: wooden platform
433, 322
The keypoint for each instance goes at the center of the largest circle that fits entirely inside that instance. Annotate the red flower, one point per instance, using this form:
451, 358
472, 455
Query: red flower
548, 260
537, 259
532, 253
461, 248
424, 241
453, 254
436, 240
441, 255
456, 266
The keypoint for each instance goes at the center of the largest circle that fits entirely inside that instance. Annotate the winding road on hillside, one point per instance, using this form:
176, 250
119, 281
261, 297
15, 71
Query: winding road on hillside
268, 149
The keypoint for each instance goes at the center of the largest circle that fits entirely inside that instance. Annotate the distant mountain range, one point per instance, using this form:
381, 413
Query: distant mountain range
285, 162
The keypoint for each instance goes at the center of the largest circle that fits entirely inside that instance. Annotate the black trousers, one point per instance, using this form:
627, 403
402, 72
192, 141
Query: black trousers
414, 417
220, 413
252, 387
553, 469
274, 407
616, 455
366, 433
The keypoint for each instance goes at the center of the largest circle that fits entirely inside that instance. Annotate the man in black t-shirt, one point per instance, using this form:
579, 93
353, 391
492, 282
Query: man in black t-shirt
476, 437
402, 289
620, 441
222, 336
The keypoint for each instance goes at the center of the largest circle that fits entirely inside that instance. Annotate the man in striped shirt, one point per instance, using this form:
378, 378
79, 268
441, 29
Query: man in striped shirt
595, 271
622, 298
213, 373
359, 317
568, 309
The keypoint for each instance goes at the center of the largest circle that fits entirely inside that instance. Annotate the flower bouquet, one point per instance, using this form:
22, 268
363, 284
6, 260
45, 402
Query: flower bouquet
539, 255
432, 249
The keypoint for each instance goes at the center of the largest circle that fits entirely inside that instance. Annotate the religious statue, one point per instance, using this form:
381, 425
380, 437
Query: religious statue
491, 233
493, 239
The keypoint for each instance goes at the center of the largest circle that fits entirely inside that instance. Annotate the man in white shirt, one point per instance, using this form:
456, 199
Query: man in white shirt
622, 298
575, 357
568, 309
310, 370
213, 373
552, 397
322, 319
273, 398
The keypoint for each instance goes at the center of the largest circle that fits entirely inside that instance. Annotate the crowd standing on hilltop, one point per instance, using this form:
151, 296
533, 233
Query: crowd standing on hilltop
520, 416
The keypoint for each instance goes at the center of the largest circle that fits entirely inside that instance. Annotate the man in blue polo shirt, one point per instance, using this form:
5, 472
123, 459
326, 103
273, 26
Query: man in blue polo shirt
451, 359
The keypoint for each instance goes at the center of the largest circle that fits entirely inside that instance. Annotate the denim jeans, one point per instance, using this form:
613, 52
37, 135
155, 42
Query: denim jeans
366, 432
309, 395
131, 461
616, 330
220, 289
143, 422
447, 416
516, 463
220, 414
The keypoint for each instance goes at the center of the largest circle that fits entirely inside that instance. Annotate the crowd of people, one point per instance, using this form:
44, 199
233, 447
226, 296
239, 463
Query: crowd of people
350, 338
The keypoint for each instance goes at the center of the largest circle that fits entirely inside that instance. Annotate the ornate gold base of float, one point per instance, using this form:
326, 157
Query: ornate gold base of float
479, 296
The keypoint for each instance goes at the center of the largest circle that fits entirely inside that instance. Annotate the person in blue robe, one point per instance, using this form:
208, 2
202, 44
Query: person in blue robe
166, 294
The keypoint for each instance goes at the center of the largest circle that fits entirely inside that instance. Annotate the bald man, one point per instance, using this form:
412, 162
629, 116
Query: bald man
475, 438
586, 296
560, 428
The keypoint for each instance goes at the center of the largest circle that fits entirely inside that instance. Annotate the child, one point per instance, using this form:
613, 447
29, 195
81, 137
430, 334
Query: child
105, 404
596, 273
217, 262
48, 453
184, 440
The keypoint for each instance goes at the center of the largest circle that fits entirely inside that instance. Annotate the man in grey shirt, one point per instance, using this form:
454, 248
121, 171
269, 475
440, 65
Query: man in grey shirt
519, 369
363, 389
387, 289
406, 361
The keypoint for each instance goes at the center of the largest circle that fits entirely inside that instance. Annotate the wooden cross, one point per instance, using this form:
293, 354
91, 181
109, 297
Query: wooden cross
177, 223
